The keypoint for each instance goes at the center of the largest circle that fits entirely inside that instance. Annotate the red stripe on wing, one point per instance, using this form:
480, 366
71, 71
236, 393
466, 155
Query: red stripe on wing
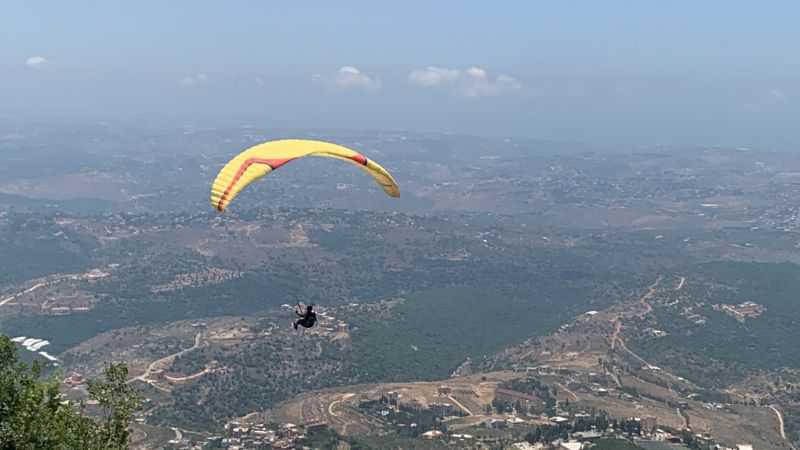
272, 163
359, 158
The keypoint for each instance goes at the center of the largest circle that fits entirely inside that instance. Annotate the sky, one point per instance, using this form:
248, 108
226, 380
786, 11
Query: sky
645, 72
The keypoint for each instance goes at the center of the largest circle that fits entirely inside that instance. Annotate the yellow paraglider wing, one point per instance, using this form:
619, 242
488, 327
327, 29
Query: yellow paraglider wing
255, 162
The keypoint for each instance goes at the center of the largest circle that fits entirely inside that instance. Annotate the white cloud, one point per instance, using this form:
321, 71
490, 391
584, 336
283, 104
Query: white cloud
433, 76
36, 62
349, 77
194, 80
477, 73
470, 83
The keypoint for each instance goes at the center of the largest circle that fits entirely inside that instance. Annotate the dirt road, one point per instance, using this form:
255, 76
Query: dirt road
615, 333
617, 341
343, 398
566, 389
651, 291
190, 377
457, 403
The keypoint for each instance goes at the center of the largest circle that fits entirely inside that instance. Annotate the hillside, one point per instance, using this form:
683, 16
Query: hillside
668, 274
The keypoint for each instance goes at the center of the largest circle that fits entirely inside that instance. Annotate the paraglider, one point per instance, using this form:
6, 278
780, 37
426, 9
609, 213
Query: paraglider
307, 319
257, 161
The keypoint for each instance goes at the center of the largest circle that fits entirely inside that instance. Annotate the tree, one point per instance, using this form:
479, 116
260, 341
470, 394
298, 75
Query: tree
34, 416
118, 402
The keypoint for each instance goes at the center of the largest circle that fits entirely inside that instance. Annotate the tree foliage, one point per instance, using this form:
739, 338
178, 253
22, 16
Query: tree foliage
34, 416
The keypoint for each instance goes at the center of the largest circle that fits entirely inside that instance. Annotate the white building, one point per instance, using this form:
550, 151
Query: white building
433, 434
526, 446
570, 446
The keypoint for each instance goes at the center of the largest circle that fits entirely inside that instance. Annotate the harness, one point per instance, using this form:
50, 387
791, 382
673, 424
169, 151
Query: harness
309, 320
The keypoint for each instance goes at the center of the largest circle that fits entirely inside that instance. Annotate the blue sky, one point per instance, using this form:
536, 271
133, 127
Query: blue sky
646, 72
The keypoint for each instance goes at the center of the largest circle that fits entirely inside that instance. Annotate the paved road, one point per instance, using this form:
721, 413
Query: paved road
26, 291
145, 377
780, 422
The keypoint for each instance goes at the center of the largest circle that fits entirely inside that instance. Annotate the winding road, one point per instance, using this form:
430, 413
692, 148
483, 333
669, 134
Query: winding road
651, 291
46, 281
780, 423
616, 339
18, 294
145, 377
343, 398
189, 377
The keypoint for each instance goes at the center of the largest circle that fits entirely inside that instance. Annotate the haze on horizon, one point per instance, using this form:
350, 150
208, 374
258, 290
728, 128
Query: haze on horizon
682, 72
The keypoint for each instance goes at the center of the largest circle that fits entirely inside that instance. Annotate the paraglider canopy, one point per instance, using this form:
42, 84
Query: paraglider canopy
257, 161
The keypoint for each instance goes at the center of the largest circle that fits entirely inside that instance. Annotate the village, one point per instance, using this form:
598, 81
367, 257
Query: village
512, 410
